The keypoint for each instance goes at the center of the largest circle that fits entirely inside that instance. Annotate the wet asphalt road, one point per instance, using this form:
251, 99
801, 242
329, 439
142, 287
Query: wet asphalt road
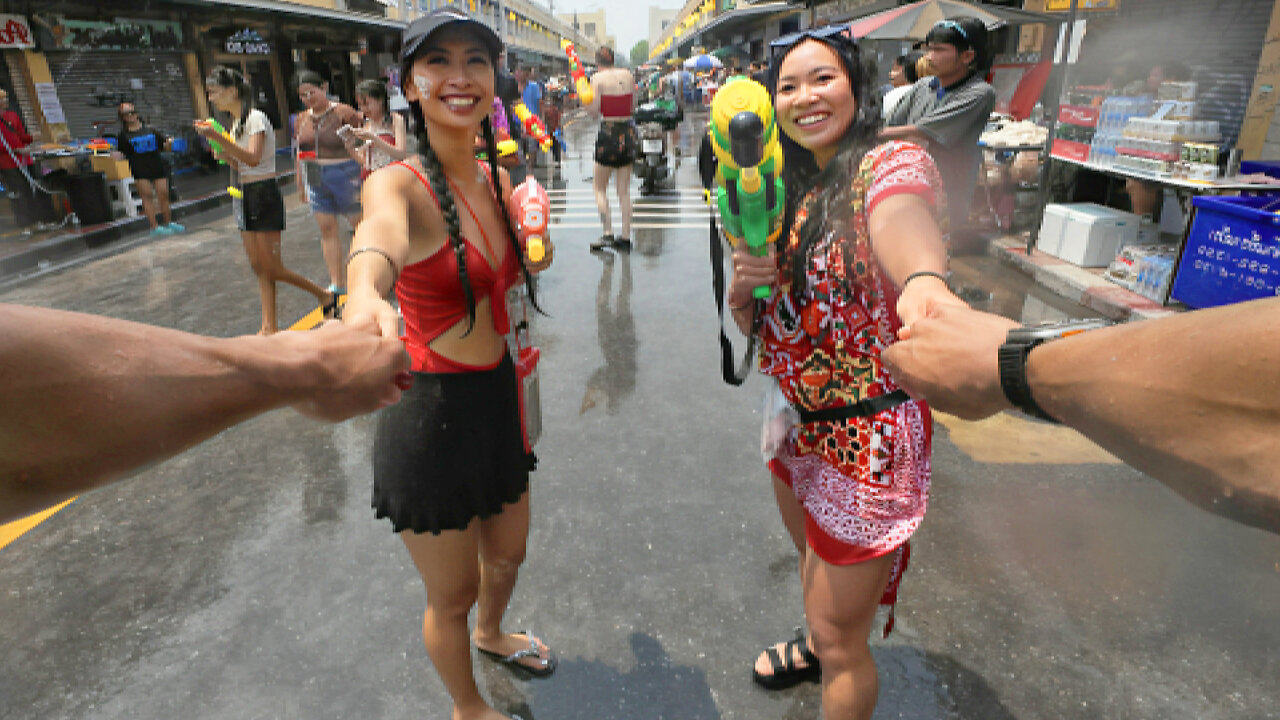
248, 578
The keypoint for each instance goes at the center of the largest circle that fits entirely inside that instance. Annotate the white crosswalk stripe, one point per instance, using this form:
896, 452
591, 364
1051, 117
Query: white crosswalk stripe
677, 208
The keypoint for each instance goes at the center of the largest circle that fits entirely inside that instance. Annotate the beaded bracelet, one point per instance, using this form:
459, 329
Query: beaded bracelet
395, 271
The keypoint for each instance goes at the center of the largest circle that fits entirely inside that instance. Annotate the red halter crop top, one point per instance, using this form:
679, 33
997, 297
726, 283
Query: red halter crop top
615, 106
432, 299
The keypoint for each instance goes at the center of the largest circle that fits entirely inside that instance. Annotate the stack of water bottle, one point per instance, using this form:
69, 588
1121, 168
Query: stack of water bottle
1113, 115
1145, 269
1155, 273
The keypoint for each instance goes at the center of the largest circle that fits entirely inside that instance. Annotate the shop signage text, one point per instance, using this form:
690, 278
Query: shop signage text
15, 33
58, 33
247, 42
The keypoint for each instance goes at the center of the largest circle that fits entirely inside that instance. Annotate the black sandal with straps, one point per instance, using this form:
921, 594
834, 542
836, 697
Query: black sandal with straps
785, 673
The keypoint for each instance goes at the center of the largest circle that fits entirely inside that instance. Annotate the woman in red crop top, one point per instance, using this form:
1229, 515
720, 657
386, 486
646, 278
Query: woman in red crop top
615, 92
451, 470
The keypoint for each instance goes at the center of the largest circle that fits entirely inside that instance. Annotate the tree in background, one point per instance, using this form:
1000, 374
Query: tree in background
639, 53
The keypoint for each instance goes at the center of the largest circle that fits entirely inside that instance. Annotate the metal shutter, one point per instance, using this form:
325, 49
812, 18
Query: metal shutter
21, 100
91, 84
1219, 41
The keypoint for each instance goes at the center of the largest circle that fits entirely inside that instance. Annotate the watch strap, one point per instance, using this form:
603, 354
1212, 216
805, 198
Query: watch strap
1013, 378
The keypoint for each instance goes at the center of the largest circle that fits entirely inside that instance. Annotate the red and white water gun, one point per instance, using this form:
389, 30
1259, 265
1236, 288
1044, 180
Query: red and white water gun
531, 209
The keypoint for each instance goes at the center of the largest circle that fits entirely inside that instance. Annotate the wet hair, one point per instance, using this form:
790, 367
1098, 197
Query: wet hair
912, 65
965, 33
604, 56
309, 77
800, 170
444, 194
375, 89
226, 77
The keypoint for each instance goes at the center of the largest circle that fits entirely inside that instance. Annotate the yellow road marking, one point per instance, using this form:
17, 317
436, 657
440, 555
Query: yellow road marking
16, 529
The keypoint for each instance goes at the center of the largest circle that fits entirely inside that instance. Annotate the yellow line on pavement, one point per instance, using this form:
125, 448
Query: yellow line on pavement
16, 529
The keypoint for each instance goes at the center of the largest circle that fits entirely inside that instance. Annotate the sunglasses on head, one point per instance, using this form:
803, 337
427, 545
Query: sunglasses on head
826, 32
953, 25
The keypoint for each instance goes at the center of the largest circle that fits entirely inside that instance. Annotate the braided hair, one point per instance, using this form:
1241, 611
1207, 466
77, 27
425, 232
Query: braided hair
448, 206
800, 170
491, 152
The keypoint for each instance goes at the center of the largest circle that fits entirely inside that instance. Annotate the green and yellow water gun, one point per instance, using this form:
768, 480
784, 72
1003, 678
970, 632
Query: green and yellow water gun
217, 127
749, 188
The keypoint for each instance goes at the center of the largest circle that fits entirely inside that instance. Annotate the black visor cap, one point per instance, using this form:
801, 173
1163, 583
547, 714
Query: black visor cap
424, 27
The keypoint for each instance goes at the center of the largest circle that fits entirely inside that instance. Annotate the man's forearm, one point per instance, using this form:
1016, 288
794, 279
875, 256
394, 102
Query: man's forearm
1193, 400
89, 399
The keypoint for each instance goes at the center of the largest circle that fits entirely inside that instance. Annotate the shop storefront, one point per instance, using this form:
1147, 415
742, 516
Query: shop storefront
15, 37
1136, 156
94, 65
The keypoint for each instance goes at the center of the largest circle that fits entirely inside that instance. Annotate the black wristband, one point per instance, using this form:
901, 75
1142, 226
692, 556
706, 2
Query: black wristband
920, 273
1013, 379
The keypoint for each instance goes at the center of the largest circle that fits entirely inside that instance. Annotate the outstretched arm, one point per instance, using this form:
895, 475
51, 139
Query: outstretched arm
89, 400
1190, 400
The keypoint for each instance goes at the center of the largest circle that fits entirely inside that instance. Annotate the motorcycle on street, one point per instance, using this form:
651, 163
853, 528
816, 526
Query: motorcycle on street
652, 123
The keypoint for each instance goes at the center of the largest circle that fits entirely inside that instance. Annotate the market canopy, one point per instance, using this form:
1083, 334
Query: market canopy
729, 51
912, 22
702, 62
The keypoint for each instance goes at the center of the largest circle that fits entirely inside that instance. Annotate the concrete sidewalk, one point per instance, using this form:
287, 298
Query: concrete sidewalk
1085, 286
21, 257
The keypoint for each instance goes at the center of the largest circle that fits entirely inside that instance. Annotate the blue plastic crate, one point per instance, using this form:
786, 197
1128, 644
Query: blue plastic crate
1232, 253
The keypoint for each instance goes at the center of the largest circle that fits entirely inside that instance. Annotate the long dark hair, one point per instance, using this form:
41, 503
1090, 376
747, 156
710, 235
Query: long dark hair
224, 76
375, 89
801, 173
440, 186
911, 66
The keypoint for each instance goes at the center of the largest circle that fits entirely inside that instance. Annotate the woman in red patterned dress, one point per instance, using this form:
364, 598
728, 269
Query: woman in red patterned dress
861, 256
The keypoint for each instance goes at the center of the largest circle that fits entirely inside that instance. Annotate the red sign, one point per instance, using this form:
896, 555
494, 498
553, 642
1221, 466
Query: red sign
15, 32
1068, 150
1078, 115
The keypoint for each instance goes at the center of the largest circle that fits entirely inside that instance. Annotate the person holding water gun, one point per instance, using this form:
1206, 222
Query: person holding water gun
531, 97
259, 212
860, 253
451, 464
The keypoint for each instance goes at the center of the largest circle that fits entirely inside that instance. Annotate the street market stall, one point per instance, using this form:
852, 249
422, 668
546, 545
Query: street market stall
1114, 120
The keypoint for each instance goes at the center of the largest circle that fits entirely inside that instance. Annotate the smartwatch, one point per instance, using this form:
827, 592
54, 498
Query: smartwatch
1013, 359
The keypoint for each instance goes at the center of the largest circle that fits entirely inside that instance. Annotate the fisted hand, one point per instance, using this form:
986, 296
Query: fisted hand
348, 369
751, 271
949, 358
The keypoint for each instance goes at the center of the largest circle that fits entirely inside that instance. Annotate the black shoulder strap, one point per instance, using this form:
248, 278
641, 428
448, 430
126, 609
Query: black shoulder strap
732, 376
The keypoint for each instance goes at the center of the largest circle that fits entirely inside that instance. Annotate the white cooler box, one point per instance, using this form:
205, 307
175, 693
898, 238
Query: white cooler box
1086, 234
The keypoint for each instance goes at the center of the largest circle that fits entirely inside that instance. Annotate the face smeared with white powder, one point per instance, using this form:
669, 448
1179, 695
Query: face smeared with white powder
424, 86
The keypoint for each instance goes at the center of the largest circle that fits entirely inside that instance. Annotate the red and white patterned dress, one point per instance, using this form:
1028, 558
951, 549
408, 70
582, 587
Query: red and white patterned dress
863, 482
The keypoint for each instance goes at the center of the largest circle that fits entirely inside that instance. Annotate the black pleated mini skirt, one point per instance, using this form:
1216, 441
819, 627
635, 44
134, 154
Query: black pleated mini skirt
451, 450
